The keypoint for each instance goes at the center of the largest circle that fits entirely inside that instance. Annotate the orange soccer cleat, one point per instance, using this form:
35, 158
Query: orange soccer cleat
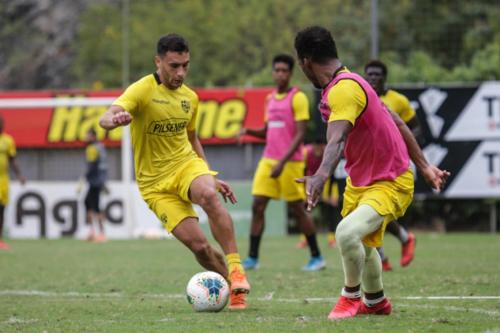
237, 301
238, 281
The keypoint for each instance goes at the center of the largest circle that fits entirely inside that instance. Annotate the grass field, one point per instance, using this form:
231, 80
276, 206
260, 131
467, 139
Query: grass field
138, 286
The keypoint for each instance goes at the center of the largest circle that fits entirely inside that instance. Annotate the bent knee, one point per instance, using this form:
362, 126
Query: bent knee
208, 198
201, 248
345, 235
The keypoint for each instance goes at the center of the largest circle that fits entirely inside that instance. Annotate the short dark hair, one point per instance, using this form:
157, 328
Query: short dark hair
284, 58
92, 131
378, 64
171, 42
315, 43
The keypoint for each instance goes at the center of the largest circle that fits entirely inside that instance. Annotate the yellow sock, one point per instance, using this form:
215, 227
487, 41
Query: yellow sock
234, 262
331, 236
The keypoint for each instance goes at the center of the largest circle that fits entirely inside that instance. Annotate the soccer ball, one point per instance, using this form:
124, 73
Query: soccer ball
207, 292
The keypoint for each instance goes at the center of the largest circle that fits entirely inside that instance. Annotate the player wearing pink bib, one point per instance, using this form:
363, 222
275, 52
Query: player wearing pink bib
287, 112
377, 146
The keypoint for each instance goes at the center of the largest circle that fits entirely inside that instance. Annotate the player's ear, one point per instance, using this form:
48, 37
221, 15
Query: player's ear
157, 61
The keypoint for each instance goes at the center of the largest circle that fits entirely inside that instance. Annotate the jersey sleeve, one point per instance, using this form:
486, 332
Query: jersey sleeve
11, 150
347, 100
92, 153
131, 99
300, 105
266, 103
192, 123
407, 112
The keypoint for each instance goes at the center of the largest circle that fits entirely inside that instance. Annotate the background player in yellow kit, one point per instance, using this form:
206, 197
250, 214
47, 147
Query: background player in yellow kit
376, 74
170, 164
7, 158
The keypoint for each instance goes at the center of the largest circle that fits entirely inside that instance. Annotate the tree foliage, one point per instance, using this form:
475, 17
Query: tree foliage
233, 41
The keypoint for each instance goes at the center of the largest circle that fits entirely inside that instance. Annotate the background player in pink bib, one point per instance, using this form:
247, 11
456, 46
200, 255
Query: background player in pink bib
287, 113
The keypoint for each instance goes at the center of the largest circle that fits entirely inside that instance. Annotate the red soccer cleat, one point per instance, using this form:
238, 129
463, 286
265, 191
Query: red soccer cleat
4, 246
408, 250
386, 265
382, 308
301, 244
345, 308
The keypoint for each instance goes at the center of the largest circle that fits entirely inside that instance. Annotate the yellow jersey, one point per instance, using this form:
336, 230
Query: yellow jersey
161, 118
398, 103
7, 151
349, 101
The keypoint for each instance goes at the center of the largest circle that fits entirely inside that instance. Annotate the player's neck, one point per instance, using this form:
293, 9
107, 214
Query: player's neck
283, 89
328, 71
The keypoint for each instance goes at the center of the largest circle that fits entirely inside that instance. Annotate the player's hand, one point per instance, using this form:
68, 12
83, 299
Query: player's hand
314, 188
121, 118
277, 170
239, 137
226, 191
435, 177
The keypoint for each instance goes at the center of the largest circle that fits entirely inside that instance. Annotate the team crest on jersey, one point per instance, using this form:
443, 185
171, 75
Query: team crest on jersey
163, 218
186, 106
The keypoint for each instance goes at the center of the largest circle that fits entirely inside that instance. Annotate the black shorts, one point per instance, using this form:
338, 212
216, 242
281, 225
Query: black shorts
92, 199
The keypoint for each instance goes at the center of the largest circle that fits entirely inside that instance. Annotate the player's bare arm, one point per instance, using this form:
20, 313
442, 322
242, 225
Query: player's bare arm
114, 117
337, 136
256, 132
434, 176
17, 170
224, 189
297, 140
416, 129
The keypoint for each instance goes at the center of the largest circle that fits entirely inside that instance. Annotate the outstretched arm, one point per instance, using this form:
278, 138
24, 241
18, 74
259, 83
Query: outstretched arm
224, 189
17, 170
337, 137
434, 176
114, 117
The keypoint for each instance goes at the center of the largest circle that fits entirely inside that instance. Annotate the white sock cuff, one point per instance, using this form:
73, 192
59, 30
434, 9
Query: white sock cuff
355, 294
372, 302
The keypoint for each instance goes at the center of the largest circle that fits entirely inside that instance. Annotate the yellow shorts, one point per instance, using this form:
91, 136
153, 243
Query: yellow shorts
284, 186
169, 198
4, 192
389, 198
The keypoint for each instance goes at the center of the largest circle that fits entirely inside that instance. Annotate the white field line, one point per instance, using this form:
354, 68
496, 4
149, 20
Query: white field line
491, 313
268, 297
15, 320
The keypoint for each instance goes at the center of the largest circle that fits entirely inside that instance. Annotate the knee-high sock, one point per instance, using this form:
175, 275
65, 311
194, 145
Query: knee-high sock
372, 273
350, 232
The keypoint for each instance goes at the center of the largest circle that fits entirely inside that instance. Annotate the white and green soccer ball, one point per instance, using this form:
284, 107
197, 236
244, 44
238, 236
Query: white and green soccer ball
207, 292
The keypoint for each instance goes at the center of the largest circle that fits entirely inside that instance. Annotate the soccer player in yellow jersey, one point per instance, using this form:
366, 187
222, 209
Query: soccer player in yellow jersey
7, 158
376, 74
170, 164
96, 176
287, 113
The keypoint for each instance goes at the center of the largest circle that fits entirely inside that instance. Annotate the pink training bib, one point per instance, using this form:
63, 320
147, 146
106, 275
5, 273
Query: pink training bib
281, 127
375, 149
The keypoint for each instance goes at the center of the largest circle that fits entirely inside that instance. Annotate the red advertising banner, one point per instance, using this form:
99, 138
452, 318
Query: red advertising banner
59, 119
